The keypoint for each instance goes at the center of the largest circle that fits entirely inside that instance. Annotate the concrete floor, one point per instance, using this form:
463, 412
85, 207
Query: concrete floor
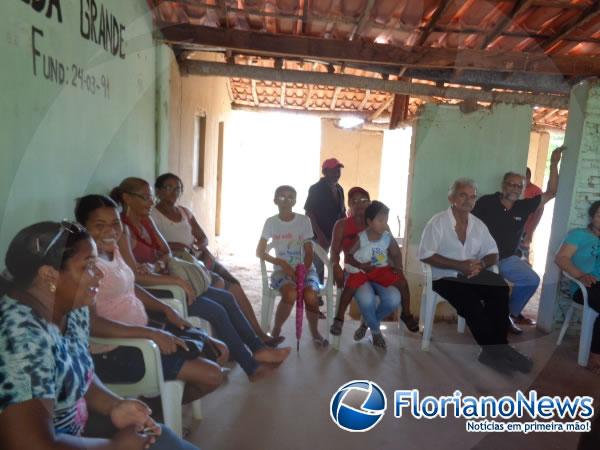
290, 410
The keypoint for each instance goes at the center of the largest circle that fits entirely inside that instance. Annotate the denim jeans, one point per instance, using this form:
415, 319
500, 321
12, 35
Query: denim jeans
219, 307
373, 313
524, 280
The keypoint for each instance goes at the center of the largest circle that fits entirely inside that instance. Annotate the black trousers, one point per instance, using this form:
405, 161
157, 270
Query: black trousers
482, 301
594, 302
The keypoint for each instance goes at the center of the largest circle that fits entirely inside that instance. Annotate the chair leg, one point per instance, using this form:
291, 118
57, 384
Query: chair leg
431, 304
565, 326
171, 397
335, 340
461, 324
585, 339
197, 409
401, 336
265, 313
423, 309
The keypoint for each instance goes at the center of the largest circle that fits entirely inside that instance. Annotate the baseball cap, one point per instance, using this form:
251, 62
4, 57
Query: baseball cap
331, 163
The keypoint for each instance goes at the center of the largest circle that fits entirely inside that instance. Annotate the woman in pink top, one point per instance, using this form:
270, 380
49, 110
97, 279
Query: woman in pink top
120, 311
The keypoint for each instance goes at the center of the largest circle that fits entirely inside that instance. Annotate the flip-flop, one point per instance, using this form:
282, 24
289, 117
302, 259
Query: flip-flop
274, 341
336, 327
321, 342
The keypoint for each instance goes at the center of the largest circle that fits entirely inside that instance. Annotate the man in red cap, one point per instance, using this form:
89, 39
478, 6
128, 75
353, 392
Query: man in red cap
325, 205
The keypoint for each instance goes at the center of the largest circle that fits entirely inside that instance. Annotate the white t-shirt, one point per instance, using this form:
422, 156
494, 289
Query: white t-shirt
439, 236
288, 238
374, 252
175, 231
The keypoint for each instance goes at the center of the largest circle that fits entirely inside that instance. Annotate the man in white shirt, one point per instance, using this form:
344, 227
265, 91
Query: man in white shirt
459, 248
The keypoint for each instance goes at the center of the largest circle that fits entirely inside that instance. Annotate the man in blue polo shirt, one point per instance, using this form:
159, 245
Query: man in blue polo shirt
505, 215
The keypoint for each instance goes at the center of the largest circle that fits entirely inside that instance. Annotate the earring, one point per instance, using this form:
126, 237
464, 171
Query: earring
52, 288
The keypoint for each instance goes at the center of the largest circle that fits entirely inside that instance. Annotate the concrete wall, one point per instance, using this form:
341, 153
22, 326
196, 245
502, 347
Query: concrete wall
579, 186
80, 128
191, 96
448, 144
359, 151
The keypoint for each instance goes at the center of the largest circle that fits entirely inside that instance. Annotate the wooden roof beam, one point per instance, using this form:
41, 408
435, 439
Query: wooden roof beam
385, 105
364, 100
207, 68
254, 93
591, 13
195, 37
441, 9
362, 21
336, 93
519, 7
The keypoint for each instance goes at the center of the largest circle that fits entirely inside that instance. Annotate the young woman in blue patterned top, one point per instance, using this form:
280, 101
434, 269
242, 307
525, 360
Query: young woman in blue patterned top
46, 373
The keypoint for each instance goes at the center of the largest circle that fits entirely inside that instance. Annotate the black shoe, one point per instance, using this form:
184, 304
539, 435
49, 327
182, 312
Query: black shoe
495, 361
360, 332
512, 327
378, 340
517, 360
336, 327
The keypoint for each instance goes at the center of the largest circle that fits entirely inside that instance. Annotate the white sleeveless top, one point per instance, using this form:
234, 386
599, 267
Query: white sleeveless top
174, 231
375, 252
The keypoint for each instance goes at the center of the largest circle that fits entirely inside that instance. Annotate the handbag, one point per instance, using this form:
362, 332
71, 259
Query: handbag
197, 341
194, 272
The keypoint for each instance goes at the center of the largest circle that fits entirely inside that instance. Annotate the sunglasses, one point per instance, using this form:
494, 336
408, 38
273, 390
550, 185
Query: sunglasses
142, 197
66, 226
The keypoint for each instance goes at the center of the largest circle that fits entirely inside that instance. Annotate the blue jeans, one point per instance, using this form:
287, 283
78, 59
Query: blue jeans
169, 441
372, 312
525, 282
219, 307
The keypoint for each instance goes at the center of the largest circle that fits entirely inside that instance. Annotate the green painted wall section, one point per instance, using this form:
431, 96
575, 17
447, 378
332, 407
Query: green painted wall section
448, 144
60, 139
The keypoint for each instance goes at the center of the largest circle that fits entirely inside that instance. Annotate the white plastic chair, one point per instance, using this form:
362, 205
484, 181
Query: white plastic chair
588, 319
429, 301
179, 303
335, 340
269, 294
153, 383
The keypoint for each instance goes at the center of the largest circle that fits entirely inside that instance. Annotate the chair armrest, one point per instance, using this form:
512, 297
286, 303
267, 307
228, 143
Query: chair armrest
580, 285
176, 291
176, 304
153, 373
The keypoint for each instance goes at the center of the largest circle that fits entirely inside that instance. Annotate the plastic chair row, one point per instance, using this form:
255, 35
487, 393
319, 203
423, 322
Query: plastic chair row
153, 382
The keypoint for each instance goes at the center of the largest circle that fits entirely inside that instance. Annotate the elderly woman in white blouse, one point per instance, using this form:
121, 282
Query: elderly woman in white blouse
184, 235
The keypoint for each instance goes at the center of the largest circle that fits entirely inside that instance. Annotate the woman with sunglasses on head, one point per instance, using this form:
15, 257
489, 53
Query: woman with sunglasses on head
188, 354
46, 370
217, 306
186, 238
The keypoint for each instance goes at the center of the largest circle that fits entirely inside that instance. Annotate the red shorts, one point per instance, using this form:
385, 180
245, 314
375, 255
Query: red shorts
384, 276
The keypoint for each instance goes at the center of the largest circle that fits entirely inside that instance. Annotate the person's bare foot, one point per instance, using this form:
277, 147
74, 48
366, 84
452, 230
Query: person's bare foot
262, 371
272, 355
